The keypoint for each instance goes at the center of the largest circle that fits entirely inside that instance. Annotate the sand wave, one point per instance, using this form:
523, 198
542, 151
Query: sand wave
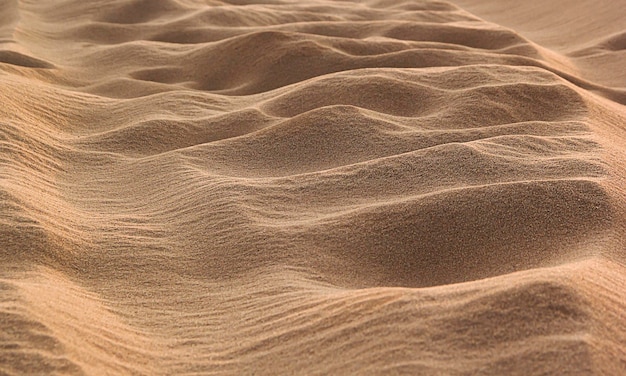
325, 187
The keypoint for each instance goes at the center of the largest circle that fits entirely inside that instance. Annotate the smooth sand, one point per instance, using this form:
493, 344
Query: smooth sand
312, 187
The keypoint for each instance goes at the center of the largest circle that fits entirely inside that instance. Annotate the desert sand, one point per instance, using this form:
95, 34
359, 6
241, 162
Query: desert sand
195, 187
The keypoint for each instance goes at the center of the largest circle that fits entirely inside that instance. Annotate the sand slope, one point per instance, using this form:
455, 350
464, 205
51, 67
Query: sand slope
313, 187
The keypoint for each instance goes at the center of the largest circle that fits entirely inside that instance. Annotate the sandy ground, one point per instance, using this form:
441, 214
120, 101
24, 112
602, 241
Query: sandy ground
312, 187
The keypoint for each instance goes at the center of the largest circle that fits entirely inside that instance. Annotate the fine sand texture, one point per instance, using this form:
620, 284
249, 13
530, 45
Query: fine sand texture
200, 187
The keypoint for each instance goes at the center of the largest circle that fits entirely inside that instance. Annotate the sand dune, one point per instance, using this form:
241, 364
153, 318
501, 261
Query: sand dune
319, 187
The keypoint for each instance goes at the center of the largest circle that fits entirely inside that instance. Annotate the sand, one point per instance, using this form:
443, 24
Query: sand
312, 187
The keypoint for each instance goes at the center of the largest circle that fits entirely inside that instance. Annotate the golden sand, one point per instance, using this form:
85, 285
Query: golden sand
312, 187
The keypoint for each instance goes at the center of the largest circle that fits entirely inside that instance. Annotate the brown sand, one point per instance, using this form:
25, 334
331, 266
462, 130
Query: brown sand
312, 187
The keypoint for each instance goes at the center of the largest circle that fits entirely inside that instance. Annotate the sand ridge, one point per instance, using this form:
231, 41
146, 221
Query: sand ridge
319, 187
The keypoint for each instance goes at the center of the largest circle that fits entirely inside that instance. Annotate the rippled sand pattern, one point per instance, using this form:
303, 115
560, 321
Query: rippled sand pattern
312, 187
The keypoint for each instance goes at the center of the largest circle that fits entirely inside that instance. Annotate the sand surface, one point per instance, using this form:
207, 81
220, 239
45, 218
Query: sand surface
312, 187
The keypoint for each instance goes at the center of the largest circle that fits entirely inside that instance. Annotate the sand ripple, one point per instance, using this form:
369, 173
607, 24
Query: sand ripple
320, 187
